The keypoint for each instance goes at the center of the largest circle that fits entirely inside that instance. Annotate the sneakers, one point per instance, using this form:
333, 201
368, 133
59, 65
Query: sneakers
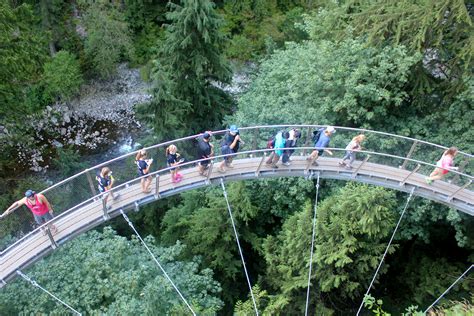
220, 170
348, 167
274, 166
341, 163
229, 166
315, 164
286, 164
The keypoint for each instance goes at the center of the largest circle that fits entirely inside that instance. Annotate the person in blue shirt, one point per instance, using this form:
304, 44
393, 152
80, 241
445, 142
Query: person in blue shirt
230, 145
279, 145
321, 144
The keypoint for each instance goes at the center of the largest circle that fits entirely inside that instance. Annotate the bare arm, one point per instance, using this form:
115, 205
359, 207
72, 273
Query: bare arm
14, 206
44, 200
328, 151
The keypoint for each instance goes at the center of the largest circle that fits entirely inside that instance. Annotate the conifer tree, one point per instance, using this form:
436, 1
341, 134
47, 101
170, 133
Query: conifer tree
192, 58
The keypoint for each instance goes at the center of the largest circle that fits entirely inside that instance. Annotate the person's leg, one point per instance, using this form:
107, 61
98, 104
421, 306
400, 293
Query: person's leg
229, 162
148, 184
270, 158
351, 159
343, 160
275, 160
221, 167
47, 217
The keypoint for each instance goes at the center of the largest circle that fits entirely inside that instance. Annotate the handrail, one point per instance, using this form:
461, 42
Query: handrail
190, 163
246, 128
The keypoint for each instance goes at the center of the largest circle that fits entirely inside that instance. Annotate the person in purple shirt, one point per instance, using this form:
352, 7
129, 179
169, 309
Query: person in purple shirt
321, 144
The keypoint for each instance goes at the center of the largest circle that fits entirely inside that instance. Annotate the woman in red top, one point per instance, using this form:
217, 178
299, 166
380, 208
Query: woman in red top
445, 164
38, 205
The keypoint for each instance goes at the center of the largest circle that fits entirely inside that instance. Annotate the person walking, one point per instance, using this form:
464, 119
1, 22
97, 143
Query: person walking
321, 144
38, 205
144, 165
230, 145
105, 181
293, 136
351, 149
173, 159
279, 145
205, 150
443, 165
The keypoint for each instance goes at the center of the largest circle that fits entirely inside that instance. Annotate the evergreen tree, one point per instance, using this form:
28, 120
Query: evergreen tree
191, 56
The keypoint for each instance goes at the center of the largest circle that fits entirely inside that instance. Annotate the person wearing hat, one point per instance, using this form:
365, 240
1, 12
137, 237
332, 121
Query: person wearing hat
38, 205
321, 144
205, 150
230, 145
291, 142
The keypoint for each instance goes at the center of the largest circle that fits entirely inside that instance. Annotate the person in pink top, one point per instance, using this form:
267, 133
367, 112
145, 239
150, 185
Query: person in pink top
445, 164
38, 205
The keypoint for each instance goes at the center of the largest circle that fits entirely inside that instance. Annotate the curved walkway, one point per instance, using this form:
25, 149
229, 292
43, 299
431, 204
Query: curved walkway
248, 165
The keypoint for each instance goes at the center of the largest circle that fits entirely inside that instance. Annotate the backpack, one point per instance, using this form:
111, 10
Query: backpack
317, 134
271, 142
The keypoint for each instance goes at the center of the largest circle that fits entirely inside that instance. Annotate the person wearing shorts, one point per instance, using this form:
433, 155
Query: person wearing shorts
443, 166
205, 150
230, 145
144, 165
321, 144
38, 205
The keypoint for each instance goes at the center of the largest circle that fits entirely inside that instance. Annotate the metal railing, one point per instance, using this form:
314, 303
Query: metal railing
385, 149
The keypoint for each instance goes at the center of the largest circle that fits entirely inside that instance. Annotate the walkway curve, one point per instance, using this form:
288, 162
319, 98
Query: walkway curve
248, 165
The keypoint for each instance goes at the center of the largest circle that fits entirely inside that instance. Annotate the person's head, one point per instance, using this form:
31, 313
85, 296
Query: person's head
141, 154
233, 130
359, 138
297, 133
206, 136
330, 130
30, 194
171, 149
105, 171
452, 151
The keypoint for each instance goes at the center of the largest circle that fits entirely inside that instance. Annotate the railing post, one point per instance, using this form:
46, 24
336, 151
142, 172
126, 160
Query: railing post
106, 215
157, 186
136, 207
91, 183
209, 172
461, 188
54, 245
256, 135
354, 174
410, 152
402, 183
257, 172
308, 140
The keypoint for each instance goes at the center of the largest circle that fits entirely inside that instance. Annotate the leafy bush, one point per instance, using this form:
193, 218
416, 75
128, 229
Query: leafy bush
62, 76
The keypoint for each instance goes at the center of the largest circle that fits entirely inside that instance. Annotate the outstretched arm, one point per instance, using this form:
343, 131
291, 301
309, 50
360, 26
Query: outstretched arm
14, 206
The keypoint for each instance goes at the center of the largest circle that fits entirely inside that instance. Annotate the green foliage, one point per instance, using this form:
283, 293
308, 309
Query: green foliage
21, 54
352, 227
68, 162
343, 83
375, 306
62, 76
247, 307
108, 274
108, 40
190, 65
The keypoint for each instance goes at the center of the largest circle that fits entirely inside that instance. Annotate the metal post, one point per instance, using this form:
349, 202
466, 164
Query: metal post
308, 139
354, 174
157, 186
54, 245
91, 183
257, 173
412, 149
106, 215
461, 188
209, 172
255, 139
402, 183
137, 207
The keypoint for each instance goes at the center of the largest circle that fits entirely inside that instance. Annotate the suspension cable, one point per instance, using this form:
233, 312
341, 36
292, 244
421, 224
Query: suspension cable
34, 283
312, 245
386, 249
238, 244
449, 288
156, 261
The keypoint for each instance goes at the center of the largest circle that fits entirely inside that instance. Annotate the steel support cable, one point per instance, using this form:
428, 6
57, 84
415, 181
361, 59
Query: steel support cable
238, 245
312, 245
386, 250
449, 288
34, 283
156, 261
